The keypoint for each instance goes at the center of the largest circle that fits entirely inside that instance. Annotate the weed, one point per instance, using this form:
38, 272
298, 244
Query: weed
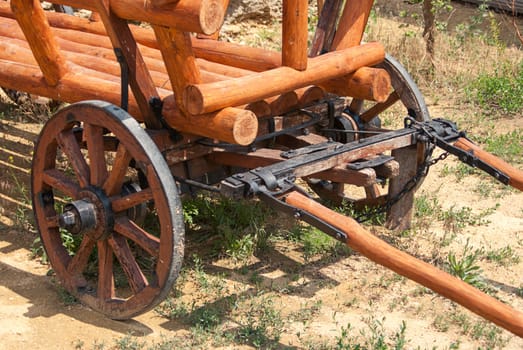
374, 337
508, 146
504, 256
456, 220
499, 92
129, 343
466, 268
261, 324
316, 243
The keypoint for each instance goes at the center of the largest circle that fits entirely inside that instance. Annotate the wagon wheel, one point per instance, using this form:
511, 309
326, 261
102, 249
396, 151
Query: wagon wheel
364, 115
107, 209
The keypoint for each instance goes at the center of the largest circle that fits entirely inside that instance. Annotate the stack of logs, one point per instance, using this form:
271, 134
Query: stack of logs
208, 87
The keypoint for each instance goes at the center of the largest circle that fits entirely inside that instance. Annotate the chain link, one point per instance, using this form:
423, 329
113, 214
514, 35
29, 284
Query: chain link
410, 185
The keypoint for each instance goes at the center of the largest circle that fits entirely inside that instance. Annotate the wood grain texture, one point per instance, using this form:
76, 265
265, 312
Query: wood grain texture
31, 18
406, 265
206, 98
515, 175
294, 34
352, 24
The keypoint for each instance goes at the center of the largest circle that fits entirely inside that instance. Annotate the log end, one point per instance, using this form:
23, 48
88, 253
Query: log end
211, 16
193, 100
245, 128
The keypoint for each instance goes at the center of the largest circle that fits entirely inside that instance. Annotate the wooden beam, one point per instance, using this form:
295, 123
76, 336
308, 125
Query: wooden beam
140, 79
198, 16
352, 24
232, 125
33, 22
295, 34
179, 59
373, 84
204, 98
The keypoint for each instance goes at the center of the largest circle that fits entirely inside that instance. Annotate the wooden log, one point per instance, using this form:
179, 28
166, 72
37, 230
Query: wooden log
198, 16
205, 98
160, 3
352, 24
388, 170
295, 34
310, 94
33, 22
179, 59
283, 103
74, 86
419, 271
233, 125
373, 84
515, 175
260, 108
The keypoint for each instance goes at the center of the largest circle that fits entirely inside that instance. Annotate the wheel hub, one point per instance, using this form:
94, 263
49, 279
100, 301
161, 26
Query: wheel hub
92, 215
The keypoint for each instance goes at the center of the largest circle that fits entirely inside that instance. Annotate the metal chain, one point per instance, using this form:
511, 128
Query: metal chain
410, 185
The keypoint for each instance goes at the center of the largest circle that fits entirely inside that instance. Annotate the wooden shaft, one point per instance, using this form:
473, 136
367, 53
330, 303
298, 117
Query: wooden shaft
179, 60
199, 16
406, 265
205, 98
295, 34
515, 175
352, 24
34, 24
366, 83
233, 125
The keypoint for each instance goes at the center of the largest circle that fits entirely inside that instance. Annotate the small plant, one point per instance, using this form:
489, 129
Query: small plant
501, 91
374, 337
129, 343
466, 268
261, 324
504, 256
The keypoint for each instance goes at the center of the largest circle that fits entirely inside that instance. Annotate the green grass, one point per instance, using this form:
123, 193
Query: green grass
500, 91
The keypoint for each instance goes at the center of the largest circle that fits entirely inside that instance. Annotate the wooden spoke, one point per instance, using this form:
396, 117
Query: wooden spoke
117, 236
58, 180
130, 230
81, 257
52, 221
131, 200
105, 271
372, 112
122, 251
71, 148
113, 184
94, 138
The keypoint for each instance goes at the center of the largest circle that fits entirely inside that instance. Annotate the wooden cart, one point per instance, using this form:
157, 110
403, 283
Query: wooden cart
217, 116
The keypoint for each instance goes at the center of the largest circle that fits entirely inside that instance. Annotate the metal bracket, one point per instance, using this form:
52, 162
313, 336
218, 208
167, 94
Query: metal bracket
442, 132
280, 205
124, 75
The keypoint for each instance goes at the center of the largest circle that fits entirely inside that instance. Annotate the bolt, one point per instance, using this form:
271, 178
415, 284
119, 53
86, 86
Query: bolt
67, 220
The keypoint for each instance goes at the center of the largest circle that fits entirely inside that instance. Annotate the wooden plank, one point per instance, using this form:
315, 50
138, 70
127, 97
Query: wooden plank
399, 216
